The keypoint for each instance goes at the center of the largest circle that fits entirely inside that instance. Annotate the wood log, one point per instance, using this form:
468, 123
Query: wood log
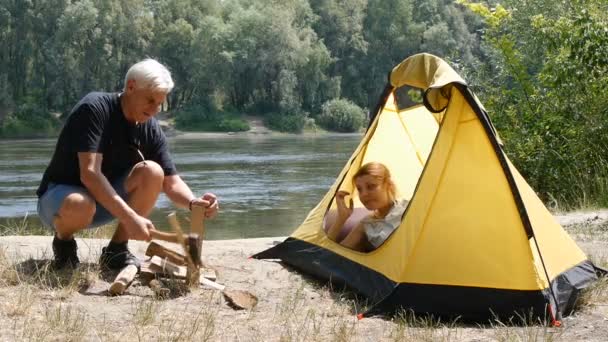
196, 220
157, 269
123, 280
179, 235
212, 284
168, 267
196, 227
192, 271
166, 253
238, 299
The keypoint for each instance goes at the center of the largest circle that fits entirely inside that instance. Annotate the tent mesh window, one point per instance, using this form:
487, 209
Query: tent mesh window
407, 96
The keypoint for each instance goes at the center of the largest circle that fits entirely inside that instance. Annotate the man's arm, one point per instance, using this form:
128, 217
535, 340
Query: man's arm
98, 185
180, 194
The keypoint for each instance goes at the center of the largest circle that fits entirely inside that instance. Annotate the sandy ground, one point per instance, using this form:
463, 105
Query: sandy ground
292, 307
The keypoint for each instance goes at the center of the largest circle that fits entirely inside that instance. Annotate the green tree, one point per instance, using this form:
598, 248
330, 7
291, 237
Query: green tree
544, 85
342, 116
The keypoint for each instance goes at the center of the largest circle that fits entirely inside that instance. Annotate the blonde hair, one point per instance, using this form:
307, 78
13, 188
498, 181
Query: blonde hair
380, 172
150, 74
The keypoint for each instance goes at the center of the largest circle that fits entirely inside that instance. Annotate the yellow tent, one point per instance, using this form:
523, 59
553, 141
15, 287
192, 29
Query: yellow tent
475, 240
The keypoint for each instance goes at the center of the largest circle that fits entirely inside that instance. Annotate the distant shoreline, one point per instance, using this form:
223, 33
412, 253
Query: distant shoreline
175, 134
249, 134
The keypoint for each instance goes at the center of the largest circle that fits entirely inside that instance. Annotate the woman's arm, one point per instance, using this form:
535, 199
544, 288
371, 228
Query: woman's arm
356, 239
335, 229
344, 213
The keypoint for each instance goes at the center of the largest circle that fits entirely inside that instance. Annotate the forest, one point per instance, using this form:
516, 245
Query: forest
539, 67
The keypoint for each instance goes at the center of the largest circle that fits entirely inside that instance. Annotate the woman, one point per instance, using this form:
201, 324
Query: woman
377, 193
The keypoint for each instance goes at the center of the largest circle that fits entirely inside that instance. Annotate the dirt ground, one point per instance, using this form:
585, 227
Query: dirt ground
42, 305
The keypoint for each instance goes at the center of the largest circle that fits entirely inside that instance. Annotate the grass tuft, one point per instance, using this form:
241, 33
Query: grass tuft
69, 321
412, 327
145, 311
20, 303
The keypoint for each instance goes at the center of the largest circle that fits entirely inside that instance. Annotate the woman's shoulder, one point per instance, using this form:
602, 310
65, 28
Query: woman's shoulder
398, 209
401, 203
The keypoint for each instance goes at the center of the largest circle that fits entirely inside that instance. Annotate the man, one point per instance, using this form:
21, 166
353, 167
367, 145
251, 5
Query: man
112, 161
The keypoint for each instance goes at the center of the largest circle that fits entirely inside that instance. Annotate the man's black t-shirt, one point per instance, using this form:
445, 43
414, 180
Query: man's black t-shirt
97, 124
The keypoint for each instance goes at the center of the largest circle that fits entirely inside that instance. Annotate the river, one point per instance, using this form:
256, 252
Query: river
266, 184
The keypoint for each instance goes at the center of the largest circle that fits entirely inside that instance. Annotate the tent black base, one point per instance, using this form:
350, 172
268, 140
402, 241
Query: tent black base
465, 303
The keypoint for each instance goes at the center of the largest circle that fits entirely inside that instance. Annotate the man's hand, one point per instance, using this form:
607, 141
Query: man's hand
138, 227
209, 202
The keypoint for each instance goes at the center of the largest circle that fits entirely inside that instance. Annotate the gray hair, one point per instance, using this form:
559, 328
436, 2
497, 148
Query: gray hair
150, 74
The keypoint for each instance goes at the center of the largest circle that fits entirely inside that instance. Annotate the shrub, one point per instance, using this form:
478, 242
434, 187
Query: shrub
233, 125
29, 121
291, 123
200, 118
341, 115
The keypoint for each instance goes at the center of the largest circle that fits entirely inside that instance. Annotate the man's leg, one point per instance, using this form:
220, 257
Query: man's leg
143, 186
76, 213
67, 209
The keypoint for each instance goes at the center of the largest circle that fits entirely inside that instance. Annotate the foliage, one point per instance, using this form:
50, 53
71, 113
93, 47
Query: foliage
546, 82
201, 118
27, 121
341, 115
290, 123
539, 67
255, 57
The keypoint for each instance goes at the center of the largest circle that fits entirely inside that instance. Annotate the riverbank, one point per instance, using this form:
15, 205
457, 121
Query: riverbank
40, 304
257, 130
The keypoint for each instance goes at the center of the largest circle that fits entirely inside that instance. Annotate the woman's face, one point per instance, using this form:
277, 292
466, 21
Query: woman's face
372, 192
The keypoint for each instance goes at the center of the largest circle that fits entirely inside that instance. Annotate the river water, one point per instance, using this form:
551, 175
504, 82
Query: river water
266, 184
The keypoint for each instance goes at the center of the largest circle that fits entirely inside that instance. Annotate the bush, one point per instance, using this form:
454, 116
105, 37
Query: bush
29, 121
233, 125
341, 115
291, 123
200, 118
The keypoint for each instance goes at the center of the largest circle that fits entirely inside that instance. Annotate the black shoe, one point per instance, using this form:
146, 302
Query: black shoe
65, 253
117, 256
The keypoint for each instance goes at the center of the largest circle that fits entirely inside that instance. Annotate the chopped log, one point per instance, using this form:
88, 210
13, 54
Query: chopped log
238, 299
168, 269
192, 270
123, 280
197, 226
166, 253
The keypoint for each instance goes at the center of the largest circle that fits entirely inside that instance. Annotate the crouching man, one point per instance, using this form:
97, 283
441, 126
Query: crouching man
111, 162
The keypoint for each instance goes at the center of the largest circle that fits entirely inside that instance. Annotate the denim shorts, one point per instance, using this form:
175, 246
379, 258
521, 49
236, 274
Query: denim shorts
50, 202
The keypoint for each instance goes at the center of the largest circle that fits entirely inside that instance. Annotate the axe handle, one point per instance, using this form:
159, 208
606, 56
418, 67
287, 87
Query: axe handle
164, 236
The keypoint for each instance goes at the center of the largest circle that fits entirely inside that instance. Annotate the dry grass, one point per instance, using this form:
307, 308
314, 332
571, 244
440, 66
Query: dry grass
596, 293
20, 303
410, 327
589, 231
25, 227
69, 322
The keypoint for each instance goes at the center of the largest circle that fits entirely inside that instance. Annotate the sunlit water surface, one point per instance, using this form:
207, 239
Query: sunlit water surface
266, 185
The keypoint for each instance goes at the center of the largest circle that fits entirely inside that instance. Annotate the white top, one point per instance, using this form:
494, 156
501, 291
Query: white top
379, 229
